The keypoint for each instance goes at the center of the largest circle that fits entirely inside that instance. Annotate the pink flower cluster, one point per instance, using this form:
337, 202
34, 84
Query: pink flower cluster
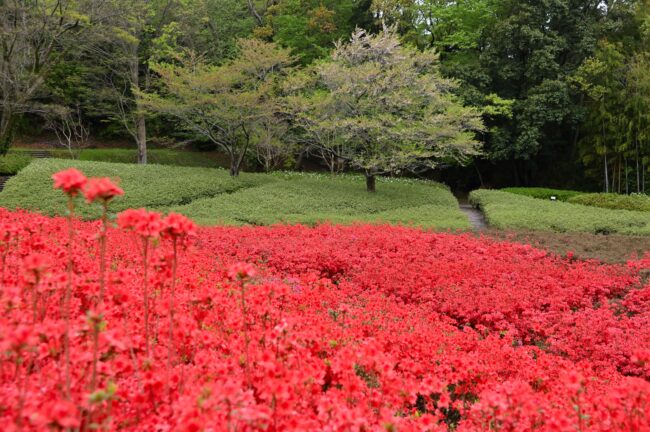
328, 328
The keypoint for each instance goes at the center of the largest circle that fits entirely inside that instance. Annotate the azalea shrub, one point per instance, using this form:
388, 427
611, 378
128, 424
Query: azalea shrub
146, 322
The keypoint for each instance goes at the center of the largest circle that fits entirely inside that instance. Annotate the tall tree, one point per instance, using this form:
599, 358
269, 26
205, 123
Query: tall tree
34, 38
231, 105
388, 109
602, 80
310, 28
130, 39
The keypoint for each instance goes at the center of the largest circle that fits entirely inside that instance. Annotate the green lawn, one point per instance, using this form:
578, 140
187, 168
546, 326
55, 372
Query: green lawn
211, 196
506, 210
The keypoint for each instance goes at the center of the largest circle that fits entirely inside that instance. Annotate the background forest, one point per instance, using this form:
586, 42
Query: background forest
509, 92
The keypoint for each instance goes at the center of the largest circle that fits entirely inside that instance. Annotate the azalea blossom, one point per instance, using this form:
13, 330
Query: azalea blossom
71, 181
102, 189
145, 223
241, 271
176, 225
391, 328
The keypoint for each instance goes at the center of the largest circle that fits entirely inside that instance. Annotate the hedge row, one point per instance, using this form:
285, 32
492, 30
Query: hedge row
211, 196
506, 210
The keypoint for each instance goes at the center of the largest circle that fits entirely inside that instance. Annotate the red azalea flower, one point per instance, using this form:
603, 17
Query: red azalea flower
63, 414
101, 188
70, 181
142, 222
35, 265
241, 270
177, 225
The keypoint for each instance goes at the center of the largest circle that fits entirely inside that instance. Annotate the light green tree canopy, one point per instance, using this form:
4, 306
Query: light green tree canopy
232, 104
385, 108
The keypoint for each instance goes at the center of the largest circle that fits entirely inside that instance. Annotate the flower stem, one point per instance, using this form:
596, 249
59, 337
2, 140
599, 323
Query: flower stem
145, 257
170, 346
246, 338
102, 252
68, 294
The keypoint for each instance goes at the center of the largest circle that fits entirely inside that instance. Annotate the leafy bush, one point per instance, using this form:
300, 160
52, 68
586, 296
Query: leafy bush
354, 328
637, 202
13, 162
309, 199
510, 211
147, 186
543, 193
154, 156
211, 196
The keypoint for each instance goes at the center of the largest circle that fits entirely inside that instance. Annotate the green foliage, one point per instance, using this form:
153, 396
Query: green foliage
505, 210
636, 202
35, 36
13, 162
155, 156
311, 27
385, 108
146, 186
233, 105
309, 199
211, 27
211, 196
447, 26
543, 193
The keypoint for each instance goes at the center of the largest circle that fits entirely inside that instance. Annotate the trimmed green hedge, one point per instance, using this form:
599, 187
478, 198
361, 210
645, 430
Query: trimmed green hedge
146, 186
309, 199
635, 202
211, 196
154, 156
511, 211
543, 193
12, 162
117, 155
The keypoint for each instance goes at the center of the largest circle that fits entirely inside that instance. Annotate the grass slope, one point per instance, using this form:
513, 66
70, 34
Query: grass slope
505, 210
150, 186
211, 196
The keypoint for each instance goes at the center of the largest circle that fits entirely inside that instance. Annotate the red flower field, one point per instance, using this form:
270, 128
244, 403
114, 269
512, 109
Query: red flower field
294, 328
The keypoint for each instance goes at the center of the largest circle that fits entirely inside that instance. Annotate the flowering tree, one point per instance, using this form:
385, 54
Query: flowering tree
385, 108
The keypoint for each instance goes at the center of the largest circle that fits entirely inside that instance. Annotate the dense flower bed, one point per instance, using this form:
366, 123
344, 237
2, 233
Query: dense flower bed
327, 328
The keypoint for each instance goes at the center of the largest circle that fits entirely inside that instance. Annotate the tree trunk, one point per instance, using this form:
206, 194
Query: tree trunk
480, 177
300, 160
627, 183
6, 130
642, 177
638, 173
234, 167
139, 119
141, 132
619, 174
606, 174
371, 182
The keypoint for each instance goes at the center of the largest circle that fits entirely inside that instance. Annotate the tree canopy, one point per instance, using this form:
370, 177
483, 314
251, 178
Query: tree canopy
560, 84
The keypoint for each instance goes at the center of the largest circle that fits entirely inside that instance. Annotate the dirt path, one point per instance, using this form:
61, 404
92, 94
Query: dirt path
476, 218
